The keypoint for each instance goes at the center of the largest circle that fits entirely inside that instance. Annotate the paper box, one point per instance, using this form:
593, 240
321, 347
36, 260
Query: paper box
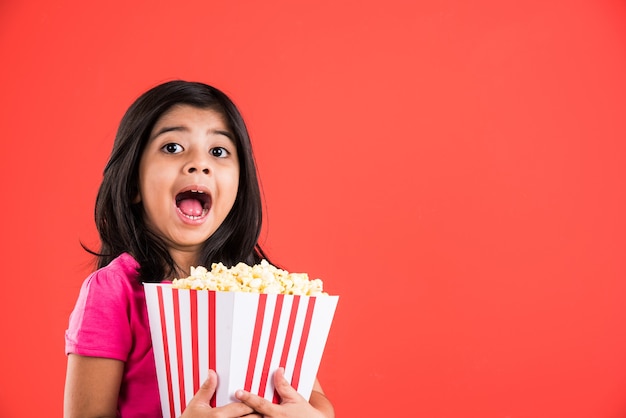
244, 337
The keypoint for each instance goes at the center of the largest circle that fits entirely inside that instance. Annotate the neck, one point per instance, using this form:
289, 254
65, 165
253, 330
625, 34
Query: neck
184, 260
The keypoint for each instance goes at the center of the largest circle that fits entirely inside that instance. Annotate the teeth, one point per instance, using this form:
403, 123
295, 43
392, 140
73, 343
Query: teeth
204, 212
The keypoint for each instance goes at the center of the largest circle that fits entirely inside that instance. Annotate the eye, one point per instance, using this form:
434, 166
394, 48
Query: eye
219, 152
172, 148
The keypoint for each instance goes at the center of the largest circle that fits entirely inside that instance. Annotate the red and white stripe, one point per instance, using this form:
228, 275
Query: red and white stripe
244, 337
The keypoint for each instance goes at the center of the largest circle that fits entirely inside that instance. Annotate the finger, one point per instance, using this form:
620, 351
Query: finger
236, 409
285, 390
259, 404
206, 391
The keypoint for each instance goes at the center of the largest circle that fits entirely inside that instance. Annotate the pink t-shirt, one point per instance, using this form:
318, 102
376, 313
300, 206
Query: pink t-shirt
110, 320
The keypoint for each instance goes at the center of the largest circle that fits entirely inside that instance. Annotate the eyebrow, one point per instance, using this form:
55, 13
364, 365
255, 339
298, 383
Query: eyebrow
177, 128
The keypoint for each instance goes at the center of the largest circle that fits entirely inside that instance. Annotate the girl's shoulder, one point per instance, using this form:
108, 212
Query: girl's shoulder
108, 304
121, 273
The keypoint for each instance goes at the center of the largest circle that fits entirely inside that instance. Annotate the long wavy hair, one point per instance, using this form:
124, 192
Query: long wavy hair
120, 222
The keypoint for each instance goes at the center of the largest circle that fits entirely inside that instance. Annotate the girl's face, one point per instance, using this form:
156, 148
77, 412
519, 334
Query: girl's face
188, 179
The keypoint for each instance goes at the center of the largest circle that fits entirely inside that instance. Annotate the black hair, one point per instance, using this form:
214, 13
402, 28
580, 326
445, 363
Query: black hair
120, 221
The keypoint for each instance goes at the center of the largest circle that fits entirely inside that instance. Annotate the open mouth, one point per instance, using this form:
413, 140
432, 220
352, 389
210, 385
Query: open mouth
194, 204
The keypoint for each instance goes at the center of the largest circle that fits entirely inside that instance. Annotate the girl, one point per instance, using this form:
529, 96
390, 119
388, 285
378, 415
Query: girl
180, 189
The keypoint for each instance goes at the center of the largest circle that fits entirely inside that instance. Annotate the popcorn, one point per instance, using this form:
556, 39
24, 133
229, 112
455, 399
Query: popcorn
260, 278
244, 322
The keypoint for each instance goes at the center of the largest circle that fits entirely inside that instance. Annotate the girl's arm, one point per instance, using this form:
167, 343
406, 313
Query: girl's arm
320, 402
92, 386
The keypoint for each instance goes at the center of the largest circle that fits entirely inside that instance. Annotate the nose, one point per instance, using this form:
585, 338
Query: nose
198, 163
194, 169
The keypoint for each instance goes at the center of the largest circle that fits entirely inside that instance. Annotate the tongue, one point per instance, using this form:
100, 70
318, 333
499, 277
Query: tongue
190, 207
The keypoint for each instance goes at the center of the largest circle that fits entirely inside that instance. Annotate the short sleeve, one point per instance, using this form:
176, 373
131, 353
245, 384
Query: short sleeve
99, 325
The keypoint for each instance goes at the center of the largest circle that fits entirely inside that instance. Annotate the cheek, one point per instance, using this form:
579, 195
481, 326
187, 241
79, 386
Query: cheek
235, 184
152, 187
231, 187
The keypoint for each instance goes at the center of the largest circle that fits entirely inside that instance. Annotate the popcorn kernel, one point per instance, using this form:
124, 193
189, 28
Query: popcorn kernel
260, 278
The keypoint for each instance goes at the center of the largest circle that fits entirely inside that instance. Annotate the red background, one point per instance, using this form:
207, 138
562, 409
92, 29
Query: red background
454, 170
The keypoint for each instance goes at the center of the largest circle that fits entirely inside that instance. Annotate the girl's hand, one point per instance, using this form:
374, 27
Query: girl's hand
292, 404
200, 407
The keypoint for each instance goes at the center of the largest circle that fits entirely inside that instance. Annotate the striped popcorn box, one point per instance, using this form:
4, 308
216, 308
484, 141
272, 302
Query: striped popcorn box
244, 337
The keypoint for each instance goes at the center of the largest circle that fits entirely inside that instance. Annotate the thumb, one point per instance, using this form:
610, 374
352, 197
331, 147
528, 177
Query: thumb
205, 393
285, 390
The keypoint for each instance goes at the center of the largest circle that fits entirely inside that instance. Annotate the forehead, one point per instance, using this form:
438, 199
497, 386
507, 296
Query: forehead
188, 114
